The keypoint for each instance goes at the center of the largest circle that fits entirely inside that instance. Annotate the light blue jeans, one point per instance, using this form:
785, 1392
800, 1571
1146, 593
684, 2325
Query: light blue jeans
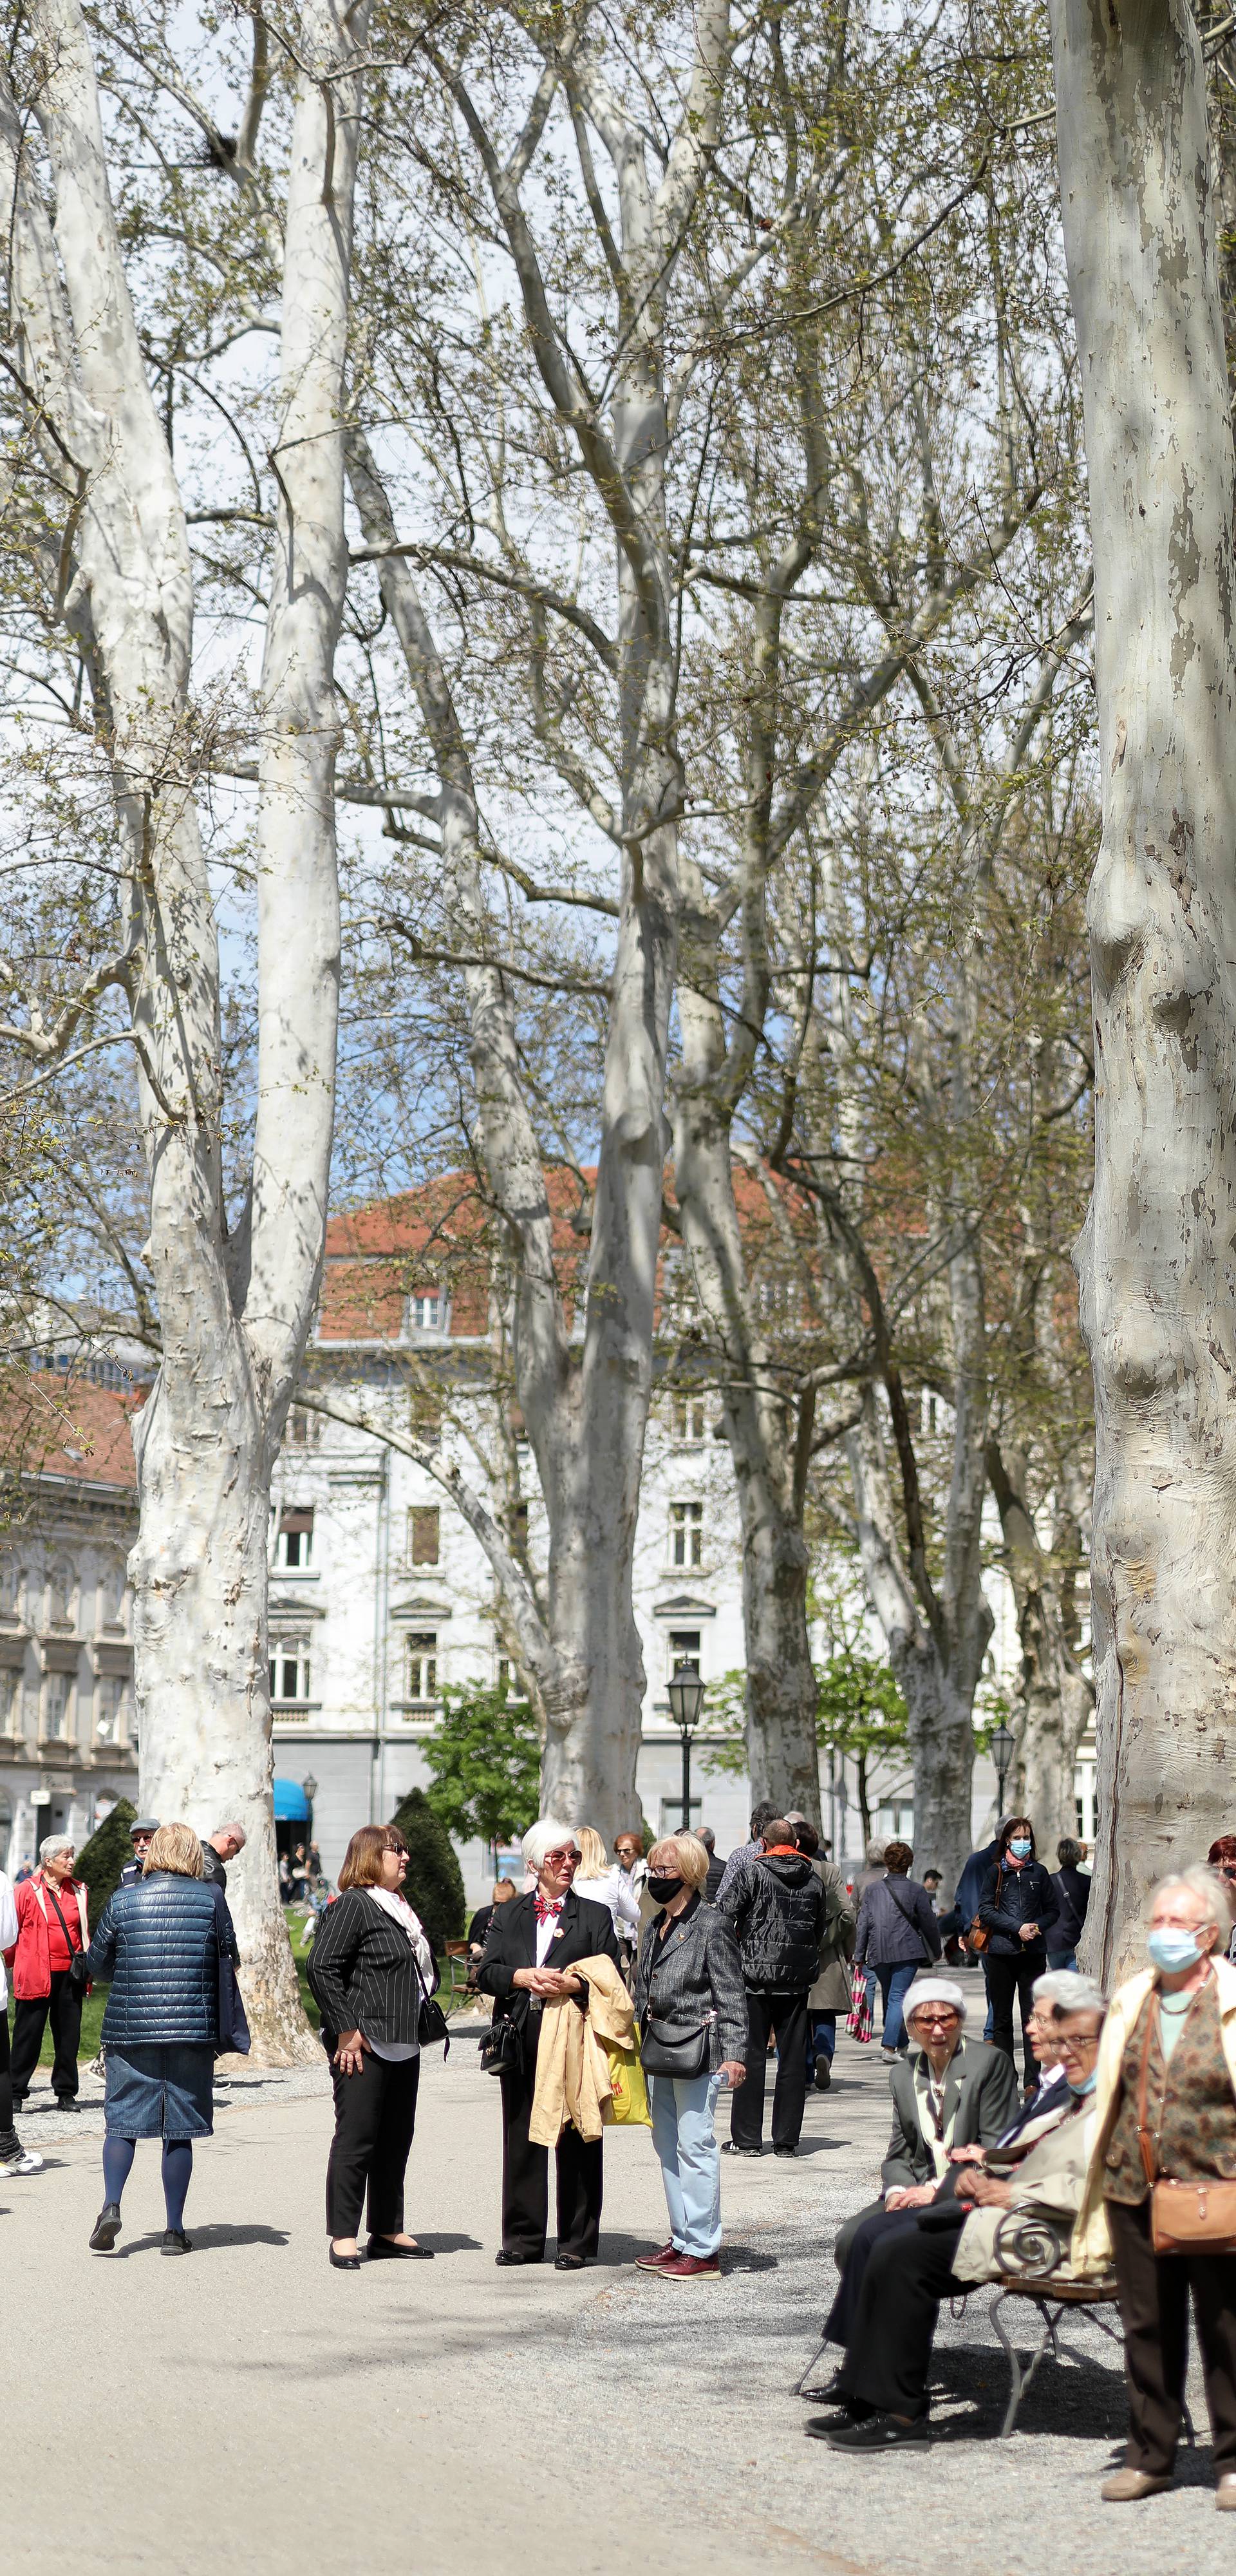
682, 2133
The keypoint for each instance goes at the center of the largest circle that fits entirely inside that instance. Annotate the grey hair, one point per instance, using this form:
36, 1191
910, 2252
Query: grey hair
237, 1832
545, 1835
875, 1854
55, 1843
1204, 1883
1067, 1991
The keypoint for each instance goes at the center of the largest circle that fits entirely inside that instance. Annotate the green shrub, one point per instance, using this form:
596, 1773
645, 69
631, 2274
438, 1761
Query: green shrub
434, 1884
100, 1861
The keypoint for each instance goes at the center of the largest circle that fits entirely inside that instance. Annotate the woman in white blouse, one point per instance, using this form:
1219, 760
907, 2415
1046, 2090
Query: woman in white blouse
370, 1968
603, 1883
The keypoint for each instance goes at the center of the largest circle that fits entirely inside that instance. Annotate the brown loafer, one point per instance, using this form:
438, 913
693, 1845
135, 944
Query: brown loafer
1128, 2486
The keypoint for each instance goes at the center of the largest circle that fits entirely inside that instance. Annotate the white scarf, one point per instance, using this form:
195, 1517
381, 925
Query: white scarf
401, 1913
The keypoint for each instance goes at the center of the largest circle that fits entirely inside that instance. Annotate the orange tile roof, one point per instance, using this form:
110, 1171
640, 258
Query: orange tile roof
67, 1427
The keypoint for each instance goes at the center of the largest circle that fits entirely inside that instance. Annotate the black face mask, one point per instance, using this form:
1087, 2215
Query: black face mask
663, 1890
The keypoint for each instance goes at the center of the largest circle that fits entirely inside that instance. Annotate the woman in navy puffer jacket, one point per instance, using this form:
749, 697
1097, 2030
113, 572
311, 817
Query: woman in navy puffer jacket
160, 1944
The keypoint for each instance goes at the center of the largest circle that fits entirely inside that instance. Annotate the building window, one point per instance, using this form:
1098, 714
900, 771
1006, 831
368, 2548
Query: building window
686, 1533
423, 1665
510, 1680
687, 1421
56, 1708
424, 1535
11, 1585
289, 1668
111, 1724
671, 1814
294, 1545
426, 1311
113, 1586
684, 1648
61, 1591
304, 1430
10, 1701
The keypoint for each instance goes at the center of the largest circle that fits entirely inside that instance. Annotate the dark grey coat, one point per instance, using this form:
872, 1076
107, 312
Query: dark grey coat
695, 1971
895, 1930
980, 2087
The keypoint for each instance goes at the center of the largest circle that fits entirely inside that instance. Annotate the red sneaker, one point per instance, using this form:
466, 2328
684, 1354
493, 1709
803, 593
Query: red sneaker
653, 2262
690, 2267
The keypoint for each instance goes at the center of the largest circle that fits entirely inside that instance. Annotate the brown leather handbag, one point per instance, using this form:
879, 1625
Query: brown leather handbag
978, 1938
1197, 2217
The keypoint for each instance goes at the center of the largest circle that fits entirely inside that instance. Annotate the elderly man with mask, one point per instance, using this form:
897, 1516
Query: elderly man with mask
951, 2093
880, 2391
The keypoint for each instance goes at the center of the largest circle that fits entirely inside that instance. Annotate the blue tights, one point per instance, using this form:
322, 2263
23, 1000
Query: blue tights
118, 2154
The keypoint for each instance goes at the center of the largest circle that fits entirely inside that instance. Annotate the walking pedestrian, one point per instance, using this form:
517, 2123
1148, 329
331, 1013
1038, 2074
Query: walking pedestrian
831, 1992
160, 1945
897, 1935
779, 1910
1165, 2106
1019, 1907
142, 1832
761, 1817
369, 1970
532, 1953
689, 1980
48, 1980
1072, 1888
218, 1849
14, 2158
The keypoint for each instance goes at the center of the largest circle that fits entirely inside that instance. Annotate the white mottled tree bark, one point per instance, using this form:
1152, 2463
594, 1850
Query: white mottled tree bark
1156, 1256
234, 1316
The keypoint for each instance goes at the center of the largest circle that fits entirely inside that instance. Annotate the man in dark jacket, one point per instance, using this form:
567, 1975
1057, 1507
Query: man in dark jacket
779, 1910
218, 1849
142, 1832
716, 1868
1073, 1889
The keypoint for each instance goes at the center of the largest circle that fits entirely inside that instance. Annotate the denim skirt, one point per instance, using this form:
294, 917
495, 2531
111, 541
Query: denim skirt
160, 2092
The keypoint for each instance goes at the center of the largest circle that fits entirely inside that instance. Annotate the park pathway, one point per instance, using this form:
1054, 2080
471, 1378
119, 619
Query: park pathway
248, 2409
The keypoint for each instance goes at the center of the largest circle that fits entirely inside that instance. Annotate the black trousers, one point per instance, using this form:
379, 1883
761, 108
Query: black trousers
787, 2016
1154, 2311
1007, 1978
64, 2004
888, 2357
6, 2080
525, 2170
375, 2115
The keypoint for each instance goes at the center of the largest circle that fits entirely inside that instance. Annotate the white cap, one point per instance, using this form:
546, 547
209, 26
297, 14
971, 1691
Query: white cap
934, 1990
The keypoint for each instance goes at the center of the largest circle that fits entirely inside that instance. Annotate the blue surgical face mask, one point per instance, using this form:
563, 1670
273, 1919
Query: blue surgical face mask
1173, 1950
1020, 1847
1089, 2085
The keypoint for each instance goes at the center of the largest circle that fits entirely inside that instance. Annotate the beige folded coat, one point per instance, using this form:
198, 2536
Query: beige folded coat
572, 2070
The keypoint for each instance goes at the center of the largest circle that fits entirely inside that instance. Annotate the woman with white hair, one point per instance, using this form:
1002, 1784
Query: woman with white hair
533, 1951
48, 1976
1165, 2116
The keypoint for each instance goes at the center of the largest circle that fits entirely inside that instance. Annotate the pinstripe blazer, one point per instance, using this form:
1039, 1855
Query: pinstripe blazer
362, 1972
695, 1970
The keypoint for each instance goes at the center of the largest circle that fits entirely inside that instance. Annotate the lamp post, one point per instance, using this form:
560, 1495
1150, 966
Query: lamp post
686, 1696
1002, 1755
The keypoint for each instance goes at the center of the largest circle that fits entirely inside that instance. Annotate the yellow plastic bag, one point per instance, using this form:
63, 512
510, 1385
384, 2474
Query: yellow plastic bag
627, 2107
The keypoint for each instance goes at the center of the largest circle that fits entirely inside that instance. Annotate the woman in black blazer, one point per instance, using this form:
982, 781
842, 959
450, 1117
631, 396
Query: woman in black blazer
529, 1950
368, 1970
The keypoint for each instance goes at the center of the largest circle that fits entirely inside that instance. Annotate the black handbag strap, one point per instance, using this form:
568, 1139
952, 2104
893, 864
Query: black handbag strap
61, 1921
907, 1918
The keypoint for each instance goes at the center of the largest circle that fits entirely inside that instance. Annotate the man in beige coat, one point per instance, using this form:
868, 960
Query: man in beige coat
997, 2227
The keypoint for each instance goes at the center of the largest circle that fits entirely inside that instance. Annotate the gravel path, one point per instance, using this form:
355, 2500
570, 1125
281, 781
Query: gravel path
251, 2409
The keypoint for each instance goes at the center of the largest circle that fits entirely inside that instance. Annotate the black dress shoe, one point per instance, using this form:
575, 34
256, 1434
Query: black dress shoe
175, 2241
380, 2250
502, 2257
785, 2151
828, 2392
106, 2228
877, 2433
568, 2262
343, 2262
67, 2102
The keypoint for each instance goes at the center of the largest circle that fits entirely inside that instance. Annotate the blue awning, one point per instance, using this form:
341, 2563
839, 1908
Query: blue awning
291, 1804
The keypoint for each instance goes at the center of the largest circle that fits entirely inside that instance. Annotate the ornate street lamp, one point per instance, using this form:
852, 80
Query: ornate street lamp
686, 1697
1002, 1754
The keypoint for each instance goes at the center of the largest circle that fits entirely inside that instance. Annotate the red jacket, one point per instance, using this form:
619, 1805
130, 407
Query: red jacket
30, 1958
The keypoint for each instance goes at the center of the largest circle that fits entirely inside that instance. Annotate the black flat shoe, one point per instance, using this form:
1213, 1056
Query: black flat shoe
568, 2262
785, 2151
343, 2262
380, 2250
175, 2241
876, 2433
730, 2149
509, 2260
106, 2228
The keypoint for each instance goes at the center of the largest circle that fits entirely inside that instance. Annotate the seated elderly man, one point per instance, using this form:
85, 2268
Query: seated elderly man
950, 2092
881, 2387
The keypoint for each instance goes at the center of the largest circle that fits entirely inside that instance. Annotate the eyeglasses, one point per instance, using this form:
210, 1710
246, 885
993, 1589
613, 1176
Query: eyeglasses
1074, 2047
560, 1859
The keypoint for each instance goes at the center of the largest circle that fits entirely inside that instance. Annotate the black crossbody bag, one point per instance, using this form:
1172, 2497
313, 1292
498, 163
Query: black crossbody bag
77, 1971
927, 1959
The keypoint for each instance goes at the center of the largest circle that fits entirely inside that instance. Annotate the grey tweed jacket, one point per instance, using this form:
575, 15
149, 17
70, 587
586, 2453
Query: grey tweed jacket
695, 1971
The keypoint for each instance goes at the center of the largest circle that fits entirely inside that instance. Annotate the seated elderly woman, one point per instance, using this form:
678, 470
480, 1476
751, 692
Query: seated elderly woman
880, 2391
951, 2091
